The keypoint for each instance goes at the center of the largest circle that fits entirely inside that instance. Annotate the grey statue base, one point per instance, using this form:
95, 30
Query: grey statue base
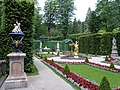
17, 77
16, 82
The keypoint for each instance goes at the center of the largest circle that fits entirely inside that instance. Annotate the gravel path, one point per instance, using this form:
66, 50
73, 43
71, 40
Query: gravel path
47, 80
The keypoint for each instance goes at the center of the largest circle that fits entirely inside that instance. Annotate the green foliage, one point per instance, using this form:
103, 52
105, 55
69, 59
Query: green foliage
112, 66
109, 56
93, 22
89, 43
104, 85
45, 58
75, 26
86, 60
41, 56
57, 17
106, 58
0, 11
35, 72
109, 13
50, 13
58, 53
40, 28
93, 73
100, 43
66, 69
23, 12
52, 62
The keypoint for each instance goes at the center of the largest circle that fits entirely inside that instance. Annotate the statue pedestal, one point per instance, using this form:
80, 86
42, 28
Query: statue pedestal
76, 56
17, 77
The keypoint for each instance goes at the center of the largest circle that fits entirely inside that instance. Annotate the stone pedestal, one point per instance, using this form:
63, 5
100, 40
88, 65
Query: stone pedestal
40, 46
76, 56
17, 77
58, 47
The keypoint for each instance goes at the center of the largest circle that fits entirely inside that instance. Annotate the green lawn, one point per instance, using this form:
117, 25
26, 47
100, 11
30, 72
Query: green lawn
96, 74
45, 55
35, 72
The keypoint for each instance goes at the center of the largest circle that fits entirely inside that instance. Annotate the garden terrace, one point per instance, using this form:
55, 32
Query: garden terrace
96, 74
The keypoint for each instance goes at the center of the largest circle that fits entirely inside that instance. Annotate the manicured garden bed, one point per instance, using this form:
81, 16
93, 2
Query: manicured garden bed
96, 74
44, 55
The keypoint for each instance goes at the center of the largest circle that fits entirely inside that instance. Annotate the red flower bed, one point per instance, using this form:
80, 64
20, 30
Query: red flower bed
111, 59
78, 79
82, 81
58, 67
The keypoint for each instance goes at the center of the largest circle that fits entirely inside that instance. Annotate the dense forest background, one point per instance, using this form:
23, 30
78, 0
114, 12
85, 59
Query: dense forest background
58, 18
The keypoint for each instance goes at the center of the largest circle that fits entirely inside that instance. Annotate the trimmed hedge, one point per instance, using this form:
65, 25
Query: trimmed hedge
89, 43
23, 12
98, 43
104, 85
66, 69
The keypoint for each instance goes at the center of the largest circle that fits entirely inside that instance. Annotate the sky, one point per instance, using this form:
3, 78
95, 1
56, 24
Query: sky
81, 6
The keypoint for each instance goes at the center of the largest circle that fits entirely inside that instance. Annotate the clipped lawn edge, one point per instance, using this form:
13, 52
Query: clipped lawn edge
35, 72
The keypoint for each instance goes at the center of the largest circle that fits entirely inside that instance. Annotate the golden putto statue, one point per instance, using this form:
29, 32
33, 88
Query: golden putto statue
75, 48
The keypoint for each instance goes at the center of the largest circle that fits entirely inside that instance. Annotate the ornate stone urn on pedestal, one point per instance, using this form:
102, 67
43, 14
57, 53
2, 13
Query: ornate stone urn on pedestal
17, 77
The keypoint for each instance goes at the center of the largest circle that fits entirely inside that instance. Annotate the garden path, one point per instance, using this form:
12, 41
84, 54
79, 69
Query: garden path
46, 80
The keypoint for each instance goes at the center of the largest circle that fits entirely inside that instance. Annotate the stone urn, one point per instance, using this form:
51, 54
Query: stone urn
17, 78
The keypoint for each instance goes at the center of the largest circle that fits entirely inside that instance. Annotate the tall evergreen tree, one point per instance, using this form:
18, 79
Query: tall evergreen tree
40, 28
93, 22
108, 11
75, 26
65, 12
50, 13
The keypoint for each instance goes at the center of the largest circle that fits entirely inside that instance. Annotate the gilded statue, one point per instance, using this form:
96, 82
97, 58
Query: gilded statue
75, 48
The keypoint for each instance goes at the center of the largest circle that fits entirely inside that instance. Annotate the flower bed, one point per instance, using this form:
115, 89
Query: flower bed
94, 65
79, 81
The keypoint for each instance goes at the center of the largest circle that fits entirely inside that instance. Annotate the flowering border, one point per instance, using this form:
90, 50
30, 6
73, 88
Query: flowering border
79, 81
93, 65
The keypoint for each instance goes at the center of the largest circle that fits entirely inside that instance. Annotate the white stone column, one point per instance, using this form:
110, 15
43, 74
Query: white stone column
40, 46
17, 77
58, 47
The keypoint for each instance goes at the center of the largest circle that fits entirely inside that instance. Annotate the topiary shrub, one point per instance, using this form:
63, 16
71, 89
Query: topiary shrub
58, 53
112, 66
66, 69
52, 62
104, 85
86, 60
45, 58
109, 56
106, 58
41, 56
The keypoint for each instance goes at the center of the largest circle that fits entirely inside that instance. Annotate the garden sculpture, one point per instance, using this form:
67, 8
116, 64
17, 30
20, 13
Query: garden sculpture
114, 52
17, 36
16, 27
17, 78
75, 48
114, 41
